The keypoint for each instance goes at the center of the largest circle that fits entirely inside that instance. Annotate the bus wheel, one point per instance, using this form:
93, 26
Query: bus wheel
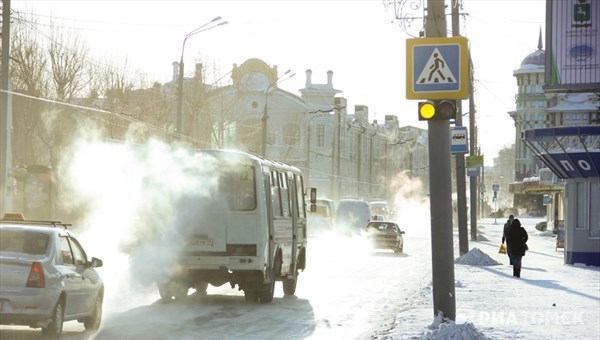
201, 288
180, 291
251, 295
289, 285
266, 295
164, 290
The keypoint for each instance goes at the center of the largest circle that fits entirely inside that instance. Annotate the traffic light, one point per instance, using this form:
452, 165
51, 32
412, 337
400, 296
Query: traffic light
437, 110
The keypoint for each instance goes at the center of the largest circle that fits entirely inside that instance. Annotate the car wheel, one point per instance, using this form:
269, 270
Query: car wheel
92, 322
54, 328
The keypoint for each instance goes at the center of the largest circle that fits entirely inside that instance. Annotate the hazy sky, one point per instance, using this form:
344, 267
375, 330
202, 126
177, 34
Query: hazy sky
359, 40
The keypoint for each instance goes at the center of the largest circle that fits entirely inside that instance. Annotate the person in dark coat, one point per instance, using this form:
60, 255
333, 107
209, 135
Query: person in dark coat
504, 233
516, 241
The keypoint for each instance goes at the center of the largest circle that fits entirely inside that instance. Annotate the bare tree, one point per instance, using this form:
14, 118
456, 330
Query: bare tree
68, 56
29, 77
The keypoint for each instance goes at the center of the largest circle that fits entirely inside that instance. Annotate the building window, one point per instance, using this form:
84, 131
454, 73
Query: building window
291, 135
320, 135
594, 213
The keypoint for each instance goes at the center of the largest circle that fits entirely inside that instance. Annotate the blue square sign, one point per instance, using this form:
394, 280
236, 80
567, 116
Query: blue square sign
437, 68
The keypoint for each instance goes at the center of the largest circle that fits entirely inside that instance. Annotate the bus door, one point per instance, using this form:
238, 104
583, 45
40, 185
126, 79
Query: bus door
268, 199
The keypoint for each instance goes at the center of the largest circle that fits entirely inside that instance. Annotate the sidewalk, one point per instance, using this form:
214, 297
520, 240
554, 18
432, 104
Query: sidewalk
551, 300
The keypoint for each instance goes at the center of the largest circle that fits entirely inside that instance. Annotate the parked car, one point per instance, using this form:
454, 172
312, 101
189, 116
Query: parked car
385, 235
47, 277
352, 215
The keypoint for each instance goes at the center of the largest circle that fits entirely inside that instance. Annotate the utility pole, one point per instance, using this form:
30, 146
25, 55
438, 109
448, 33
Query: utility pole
472, 152
440, 189
461, 190
4, 128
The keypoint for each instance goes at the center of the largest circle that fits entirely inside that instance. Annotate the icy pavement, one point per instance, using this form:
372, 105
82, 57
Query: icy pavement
551, 300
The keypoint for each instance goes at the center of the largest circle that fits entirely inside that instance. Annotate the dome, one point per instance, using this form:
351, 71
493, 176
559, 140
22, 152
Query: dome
537, 58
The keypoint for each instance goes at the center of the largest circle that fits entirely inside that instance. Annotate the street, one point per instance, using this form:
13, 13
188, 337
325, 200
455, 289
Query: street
348, 291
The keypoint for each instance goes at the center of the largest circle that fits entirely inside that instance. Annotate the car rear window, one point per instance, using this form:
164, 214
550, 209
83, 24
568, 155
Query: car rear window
22, 241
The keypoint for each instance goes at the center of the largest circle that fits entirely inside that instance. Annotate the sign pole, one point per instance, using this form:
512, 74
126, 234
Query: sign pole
440, 189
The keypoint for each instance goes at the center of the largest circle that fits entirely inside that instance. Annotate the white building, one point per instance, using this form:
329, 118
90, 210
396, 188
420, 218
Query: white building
343, 154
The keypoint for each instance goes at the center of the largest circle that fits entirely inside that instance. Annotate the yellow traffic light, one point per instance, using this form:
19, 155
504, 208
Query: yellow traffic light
426, 110
437, 110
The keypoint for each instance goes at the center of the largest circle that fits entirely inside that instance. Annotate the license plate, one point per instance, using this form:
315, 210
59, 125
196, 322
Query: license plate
200, 241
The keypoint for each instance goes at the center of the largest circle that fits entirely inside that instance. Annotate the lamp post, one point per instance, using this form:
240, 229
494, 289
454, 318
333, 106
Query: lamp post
180, 80
265, 111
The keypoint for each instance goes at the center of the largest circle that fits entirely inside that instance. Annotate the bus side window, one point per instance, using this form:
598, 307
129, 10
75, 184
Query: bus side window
275, 194
285, 196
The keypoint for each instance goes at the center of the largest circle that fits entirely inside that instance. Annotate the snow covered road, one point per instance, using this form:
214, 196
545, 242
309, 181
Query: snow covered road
348, 291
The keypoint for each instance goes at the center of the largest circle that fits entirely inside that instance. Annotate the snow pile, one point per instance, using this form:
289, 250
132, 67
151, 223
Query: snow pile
476, 257
481, 238
450, 330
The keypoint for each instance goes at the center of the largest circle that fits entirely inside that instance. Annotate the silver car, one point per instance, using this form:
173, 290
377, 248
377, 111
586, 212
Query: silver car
47, 277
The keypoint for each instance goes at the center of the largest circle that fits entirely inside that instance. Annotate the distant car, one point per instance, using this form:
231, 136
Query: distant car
351, 216
385, 235
380, 207
46, 277
378, 218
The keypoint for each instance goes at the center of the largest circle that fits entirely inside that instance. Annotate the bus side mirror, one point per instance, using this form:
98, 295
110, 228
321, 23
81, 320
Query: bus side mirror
312, 192
313, 207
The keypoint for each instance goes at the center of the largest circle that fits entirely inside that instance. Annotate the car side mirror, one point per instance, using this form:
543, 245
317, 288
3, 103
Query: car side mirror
96, 262
402, 232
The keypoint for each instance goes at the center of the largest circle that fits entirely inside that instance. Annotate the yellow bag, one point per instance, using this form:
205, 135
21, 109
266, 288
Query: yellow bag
502, 249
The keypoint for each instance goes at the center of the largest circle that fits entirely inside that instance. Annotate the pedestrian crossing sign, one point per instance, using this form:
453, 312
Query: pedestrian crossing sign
437, 68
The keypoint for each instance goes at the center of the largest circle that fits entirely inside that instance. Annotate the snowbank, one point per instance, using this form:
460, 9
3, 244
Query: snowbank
476, 257
444, 329
451, 330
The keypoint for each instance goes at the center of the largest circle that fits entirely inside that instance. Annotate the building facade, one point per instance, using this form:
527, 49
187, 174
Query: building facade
342, 153
557, 142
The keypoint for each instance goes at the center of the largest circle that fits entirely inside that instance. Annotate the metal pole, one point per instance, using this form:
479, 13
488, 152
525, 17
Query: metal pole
180, 79
180, 95
440, 188
263, 150
265, 115
461, 190
4, 129
308, 153
472, 152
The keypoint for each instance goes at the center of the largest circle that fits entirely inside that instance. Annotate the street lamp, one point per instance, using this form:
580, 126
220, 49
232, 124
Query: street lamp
180, 80
265, 111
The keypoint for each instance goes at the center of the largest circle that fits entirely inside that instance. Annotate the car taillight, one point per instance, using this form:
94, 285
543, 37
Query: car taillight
36, 277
